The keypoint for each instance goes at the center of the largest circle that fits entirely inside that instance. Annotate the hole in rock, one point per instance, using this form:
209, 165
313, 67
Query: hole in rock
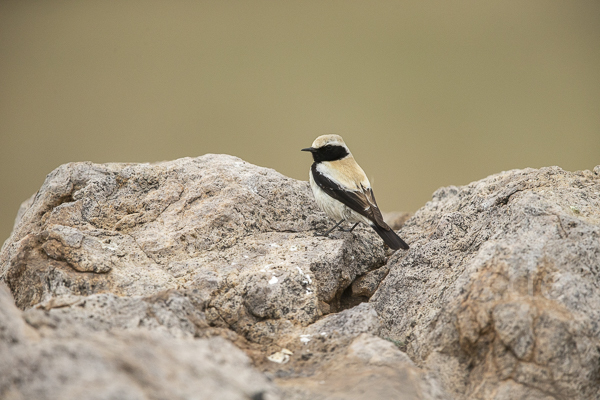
348, 300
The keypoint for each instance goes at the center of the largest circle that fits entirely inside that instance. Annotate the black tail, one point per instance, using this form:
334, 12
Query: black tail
390, 238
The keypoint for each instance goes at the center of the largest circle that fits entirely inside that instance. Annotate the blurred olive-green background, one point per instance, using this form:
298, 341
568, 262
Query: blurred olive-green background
426, 93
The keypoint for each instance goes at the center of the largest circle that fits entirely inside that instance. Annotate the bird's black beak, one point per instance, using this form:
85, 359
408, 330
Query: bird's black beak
311, 149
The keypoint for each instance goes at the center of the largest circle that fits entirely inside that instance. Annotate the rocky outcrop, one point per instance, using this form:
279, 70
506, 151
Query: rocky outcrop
237, 234
194, 250
499, 295
203, 278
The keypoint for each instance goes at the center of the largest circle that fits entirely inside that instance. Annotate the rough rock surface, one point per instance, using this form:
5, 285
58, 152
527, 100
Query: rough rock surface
236, 235
499, 295
370, 368
108, 261
147, 281
71, 363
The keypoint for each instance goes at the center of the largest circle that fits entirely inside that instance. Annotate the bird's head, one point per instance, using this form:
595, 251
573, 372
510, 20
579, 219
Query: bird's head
328, 148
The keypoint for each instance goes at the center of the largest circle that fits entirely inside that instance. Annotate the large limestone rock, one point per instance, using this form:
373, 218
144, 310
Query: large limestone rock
168, 261
499, 294
151, 281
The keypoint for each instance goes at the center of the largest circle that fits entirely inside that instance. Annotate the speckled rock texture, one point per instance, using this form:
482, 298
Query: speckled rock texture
70, 363
499, 295
119, 268
238, 237
202, 278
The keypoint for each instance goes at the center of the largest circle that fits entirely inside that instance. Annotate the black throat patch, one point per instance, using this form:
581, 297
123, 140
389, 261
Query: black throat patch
331, 152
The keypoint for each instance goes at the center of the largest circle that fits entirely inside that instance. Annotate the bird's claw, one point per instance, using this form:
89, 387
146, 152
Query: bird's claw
348, 229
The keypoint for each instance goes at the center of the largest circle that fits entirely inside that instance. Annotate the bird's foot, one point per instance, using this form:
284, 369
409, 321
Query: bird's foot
349, 230
329, 231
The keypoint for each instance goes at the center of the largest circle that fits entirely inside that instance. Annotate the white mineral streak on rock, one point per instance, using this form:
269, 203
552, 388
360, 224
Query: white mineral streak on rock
273, 280
266, 268
308, 280
110, 246
305, 338
280, 357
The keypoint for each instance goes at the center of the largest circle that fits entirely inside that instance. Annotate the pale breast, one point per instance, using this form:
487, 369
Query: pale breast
330, 206
334, 209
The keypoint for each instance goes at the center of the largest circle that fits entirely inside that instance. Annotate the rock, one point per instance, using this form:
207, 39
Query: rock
318, 343
83, 253
153, 280
499, 294
366, 285
135, 278
13, 330
168, 312
130, 364
369, 368
236, 236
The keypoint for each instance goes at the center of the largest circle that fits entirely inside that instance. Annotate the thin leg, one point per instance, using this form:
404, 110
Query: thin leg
351, 229
329, 231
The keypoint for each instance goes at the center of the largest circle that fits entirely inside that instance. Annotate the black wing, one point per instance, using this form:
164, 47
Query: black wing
361, 201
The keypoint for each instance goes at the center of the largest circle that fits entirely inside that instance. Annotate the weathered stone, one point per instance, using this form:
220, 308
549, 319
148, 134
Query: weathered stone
499, 294
168, 311
367, 284
13, 330
82, 252
369, 368
235, 234
136, 278
314, 345
74, 364
136, 256
513, 322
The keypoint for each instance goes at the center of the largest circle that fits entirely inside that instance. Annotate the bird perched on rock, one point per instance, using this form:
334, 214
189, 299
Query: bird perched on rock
343, 191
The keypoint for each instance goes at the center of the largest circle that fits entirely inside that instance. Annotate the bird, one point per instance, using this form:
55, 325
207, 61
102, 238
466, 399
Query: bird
343, 191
